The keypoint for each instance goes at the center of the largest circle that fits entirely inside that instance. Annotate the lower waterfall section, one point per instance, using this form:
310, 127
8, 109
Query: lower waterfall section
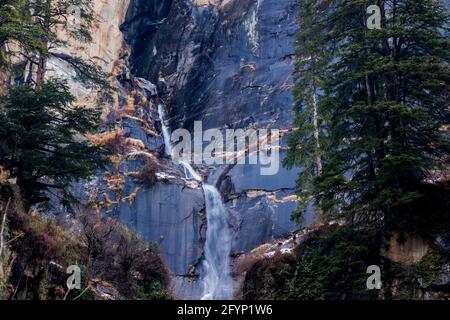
216, 280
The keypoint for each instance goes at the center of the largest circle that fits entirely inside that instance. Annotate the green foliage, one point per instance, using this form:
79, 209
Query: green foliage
312, 55
334, 267
87, 72
36, 27
328, 266
42, 140
60, 14
384, 110
75, 18
16, 24
153, 291
399, 282
430, 267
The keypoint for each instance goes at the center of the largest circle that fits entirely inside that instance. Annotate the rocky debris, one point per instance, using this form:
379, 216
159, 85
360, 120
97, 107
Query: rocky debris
147, 86
438, 287
443, 242
165, 177
443, 279
276, 247
103, 290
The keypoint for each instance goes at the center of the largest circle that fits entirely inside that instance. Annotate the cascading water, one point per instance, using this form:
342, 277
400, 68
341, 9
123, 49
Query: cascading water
216, 279
189, 172
165, 131
217, 282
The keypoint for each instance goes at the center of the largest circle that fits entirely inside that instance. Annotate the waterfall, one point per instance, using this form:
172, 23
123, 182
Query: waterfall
217, 282
216, 279
165, 131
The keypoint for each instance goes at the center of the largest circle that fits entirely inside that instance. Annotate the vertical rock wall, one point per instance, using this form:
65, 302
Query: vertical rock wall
105, 48
228, 64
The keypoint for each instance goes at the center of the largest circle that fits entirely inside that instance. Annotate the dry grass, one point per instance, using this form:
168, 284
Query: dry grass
3, 175
117, 142
130, 199
109, 255
115, 183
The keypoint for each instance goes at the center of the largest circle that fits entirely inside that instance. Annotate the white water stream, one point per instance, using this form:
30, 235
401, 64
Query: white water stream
216, 278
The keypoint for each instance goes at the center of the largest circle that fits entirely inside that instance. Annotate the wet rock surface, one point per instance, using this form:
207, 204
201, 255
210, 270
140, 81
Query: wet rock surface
228, 64
170, 215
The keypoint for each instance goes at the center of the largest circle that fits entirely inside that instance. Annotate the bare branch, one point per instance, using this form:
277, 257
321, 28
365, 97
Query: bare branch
2, 228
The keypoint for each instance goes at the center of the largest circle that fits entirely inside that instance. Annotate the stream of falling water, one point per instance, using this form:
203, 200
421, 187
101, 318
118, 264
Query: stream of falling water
216, 278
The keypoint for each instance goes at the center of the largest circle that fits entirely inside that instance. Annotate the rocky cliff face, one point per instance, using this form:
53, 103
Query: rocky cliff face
228, 64
200, 50
105, 49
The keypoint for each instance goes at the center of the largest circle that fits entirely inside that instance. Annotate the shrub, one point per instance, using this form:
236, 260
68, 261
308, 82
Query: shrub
104, 249
147, 175
430, 267
43, 141
116, 142
117, 255
330, 266
267, 277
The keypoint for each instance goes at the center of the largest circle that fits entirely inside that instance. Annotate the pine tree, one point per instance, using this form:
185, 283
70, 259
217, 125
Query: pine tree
385, 94
56, 22
43, 140
17, 26
311, 58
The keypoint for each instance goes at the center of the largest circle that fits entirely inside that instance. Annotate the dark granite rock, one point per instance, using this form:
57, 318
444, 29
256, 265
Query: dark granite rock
260, 217
168, 214
134, 130
200, 52
248, 177
229, 66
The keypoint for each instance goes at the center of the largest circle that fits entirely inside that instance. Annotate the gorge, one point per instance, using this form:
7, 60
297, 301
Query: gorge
229, 65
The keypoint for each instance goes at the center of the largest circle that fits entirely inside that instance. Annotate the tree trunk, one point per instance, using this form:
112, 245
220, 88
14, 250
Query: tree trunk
40, 76
42, 63
316, 133
2, 230
315, 120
